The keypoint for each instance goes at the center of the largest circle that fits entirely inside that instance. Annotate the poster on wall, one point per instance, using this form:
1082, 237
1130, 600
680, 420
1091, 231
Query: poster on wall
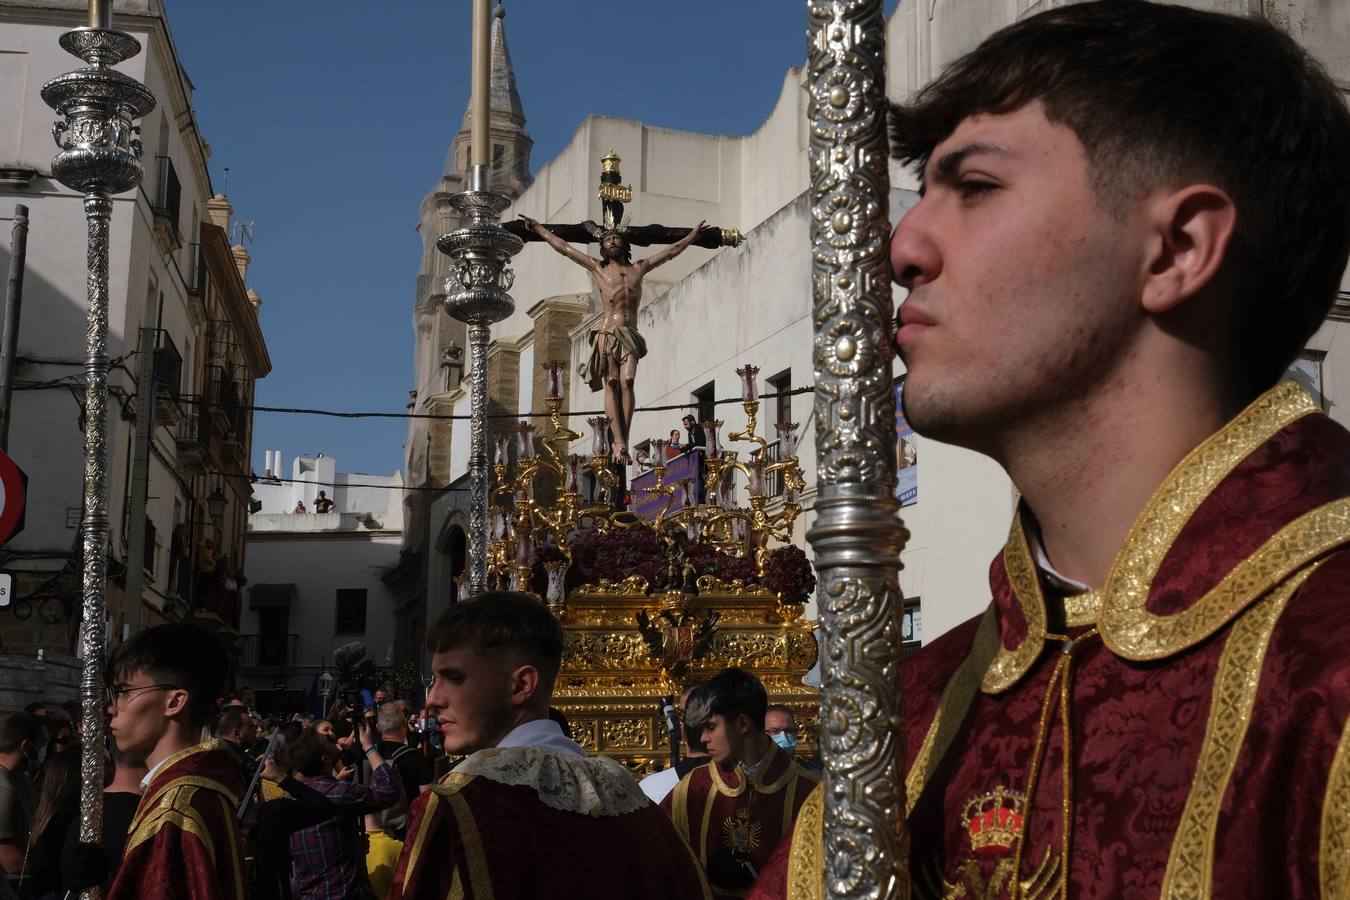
906, 453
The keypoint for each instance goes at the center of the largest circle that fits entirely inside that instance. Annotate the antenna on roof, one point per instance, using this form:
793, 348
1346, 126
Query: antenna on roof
242, 231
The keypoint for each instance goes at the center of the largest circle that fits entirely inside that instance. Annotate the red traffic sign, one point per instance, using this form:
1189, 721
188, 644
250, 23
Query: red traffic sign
13, 497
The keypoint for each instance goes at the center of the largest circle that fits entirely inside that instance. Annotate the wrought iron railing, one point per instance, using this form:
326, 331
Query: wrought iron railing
168, 192
268, 649
168, 368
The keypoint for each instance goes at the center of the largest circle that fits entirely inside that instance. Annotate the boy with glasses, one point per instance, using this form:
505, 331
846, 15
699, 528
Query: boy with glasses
183, 841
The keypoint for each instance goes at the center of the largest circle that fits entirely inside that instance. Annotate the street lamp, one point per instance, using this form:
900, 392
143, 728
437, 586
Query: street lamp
216, 503
326, 688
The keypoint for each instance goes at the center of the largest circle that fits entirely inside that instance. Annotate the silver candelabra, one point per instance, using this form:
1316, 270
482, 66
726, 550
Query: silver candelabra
476, 294
100, 155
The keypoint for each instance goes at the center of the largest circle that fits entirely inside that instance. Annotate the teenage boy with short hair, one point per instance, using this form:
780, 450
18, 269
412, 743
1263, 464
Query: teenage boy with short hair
183, 841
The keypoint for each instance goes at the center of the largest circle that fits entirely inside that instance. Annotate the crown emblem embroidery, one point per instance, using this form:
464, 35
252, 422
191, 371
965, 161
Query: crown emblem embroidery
994, 820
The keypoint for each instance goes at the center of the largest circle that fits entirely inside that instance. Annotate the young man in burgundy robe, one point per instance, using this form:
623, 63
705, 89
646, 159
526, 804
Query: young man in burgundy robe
735, 808
1134, 218
183, 843
527, 813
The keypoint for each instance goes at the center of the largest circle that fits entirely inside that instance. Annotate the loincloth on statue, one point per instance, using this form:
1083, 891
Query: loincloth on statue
623, 340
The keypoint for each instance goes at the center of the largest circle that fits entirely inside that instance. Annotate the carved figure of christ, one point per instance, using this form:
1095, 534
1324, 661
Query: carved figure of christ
616, 344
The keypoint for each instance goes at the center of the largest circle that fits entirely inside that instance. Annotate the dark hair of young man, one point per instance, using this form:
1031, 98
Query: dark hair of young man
312, 755
503, 623
728, 694
19, 727
182, 654
1162, 96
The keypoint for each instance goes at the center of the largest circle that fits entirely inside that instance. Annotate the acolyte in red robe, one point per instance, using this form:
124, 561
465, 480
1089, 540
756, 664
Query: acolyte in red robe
1206, 752
184, 843
719, 810
526, 822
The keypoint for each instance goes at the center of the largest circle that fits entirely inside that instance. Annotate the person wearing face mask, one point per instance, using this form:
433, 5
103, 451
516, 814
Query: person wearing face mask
735, 808
20, 738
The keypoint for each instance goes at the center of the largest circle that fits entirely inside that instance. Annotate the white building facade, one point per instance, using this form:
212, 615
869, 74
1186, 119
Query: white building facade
314, 578
171, 270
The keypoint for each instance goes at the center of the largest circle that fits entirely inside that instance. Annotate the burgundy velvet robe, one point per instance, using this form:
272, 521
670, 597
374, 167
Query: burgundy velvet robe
1208, 751
184, 843
473, 837
714, 809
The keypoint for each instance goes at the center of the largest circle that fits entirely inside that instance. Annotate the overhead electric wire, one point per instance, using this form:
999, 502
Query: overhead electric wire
259, 479
311, 411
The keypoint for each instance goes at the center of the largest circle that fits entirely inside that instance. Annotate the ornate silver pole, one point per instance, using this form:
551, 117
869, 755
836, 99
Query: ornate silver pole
857, 537
476, 294
99, 156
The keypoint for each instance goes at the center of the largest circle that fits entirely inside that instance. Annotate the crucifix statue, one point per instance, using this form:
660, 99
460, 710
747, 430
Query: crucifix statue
616, 345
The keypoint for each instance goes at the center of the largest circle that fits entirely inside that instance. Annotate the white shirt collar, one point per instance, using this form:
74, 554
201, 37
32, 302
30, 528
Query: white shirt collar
150, 776
1057, 578
543, 733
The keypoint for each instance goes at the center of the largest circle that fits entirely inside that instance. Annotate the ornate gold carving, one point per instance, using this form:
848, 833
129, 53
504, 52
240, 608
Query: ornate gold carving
627, 734
1334, 855
711, 584
633, 585
619, 193
1190, 865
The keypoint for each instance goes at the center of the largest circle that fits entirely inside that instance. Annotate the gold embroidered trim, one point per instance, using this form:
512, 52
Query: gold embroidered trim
480, 881
956, 698
1082, 609
698, 867
1007, 665
806, 856
1126, 626
706, 819
1133, 632
456, 886
176, 810
428, 816
236, 858
679, 807
721, 787
1334, 853
1190, 865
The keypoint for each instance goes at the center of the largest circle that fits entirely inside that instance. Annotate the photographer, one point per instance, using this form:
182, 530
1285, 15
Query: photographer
275, 821
329, 857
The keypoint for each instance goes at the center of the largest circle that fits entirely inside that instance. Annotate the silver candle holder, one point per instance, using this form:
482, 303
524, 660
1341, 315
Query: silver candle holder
100, 155
476, 294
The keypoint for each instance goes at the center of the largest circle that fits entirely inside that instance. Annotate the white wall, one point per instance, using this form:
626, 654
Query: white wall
319, 566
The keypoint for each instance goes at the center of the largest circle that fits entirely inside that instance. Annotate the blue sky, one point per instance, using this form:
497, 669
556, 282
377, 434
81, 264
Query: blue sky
334, 116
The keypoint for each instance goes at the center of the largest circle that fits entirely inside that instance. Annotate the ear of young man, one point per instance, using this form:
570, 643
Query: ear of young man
1190, 230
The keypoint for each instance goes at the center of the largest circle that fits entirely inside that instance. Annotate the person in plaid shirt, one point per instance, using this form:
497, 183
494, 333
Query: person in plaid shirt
330, 857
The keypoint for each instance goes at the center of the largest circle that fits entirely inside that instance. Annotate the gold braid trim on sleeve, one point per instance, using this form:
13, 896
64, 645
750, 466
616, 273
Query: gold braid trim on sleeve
173, 807
1334, 854
1190, 865
955, 702
419, 841
480, 879
806, 857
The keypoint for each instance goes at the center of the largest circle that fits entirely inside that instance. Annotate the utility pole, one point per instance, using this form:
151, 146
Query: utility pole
9, 341
140, 478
